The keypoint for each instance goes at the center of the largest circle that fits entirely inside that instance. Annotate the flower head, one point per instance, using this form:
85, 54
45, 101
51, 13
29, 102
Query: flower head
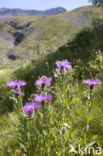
16, 83
30, 107
92, 83
17, 92
9, 149
43, 97
43, 81
63, 66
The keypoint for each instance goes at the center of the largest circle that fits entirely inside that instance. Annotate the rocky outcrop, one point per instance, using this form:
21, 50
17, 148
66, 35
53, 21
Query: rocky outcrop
12, 56
21, 31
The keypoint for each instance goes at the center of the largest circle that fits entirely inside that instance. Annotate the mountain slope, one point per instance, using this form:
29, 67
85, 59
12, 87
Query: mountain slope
24, 39
5, 12
81, 52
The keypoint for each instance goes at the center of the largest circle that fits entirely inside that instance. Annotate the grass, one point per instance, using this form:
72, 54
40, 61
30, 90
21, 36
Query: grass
8, 132
46, 33
77, 95
80, 51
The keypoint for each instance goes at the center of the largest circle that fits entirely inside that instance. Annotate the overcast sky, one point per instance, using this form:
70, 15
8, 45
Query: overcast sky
43, 4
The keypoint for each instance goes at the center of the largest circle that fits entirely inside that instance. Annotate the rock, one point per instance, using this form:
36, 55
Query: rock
21, 31
19, 36
12, 57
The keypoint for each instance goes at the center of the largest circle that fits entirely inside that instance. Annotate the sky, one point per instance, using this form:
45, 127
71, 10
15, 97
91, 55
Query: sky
43, 4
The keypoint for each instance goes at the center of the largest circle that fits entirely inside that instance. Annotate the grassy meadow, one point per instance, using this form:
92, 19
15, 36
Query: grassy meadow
78, 37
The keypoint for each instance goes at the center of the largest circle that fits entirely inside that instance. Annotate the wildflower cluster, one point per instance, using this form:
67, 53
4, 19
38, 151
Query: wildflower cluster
47, 129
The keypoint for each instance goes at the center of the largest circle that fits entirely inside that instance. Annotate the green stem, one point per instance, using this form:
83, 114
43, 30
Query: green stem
43, 128
89, 109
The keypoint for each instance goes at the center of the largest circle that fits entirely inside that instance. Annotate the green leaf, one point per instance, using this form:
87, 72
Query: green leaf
91, 116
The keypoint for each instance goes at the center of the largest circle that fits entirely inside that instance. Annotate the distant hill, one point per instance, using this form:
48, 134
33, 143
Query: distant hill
25, 39
5, 12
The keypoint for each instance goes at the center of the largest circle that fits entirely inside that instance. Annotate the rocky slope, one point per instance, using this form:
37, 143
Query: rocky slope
25, 39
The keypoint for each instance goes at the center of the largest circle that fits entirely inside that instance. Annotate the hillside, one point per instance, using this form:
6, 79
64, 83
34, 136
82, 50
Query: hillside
40, 41
5, 12
24, 39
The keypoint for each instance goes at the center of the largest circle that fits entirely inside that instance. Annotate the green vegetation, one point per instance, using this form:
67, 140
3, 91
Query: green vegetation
53, 38
97, 2
73, 117
80, 51
43, 35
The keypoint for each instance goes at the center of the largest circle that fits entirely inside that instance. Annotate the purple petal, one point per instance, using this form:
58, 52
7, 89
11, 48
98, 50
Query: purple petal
57, 70
49, 97
43, 97
16, 83
63, 65
30, 107
44, 81
92, 82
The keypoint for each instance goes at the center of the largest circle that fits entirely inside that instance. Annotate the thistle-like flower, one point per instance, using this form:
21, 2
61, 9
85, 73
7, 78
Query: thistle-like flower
16, 83
64, 66
43, 81
30, 107
92, 83
42, 98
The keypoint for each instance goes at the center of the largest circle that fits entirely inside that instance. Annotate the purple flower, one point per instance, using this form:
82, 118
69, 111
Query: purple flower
30, 107
63, 66
57, 70
49, 97
37, 106
17, 92
44, 81
92, 83
9, 149
16, 83
43, 97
